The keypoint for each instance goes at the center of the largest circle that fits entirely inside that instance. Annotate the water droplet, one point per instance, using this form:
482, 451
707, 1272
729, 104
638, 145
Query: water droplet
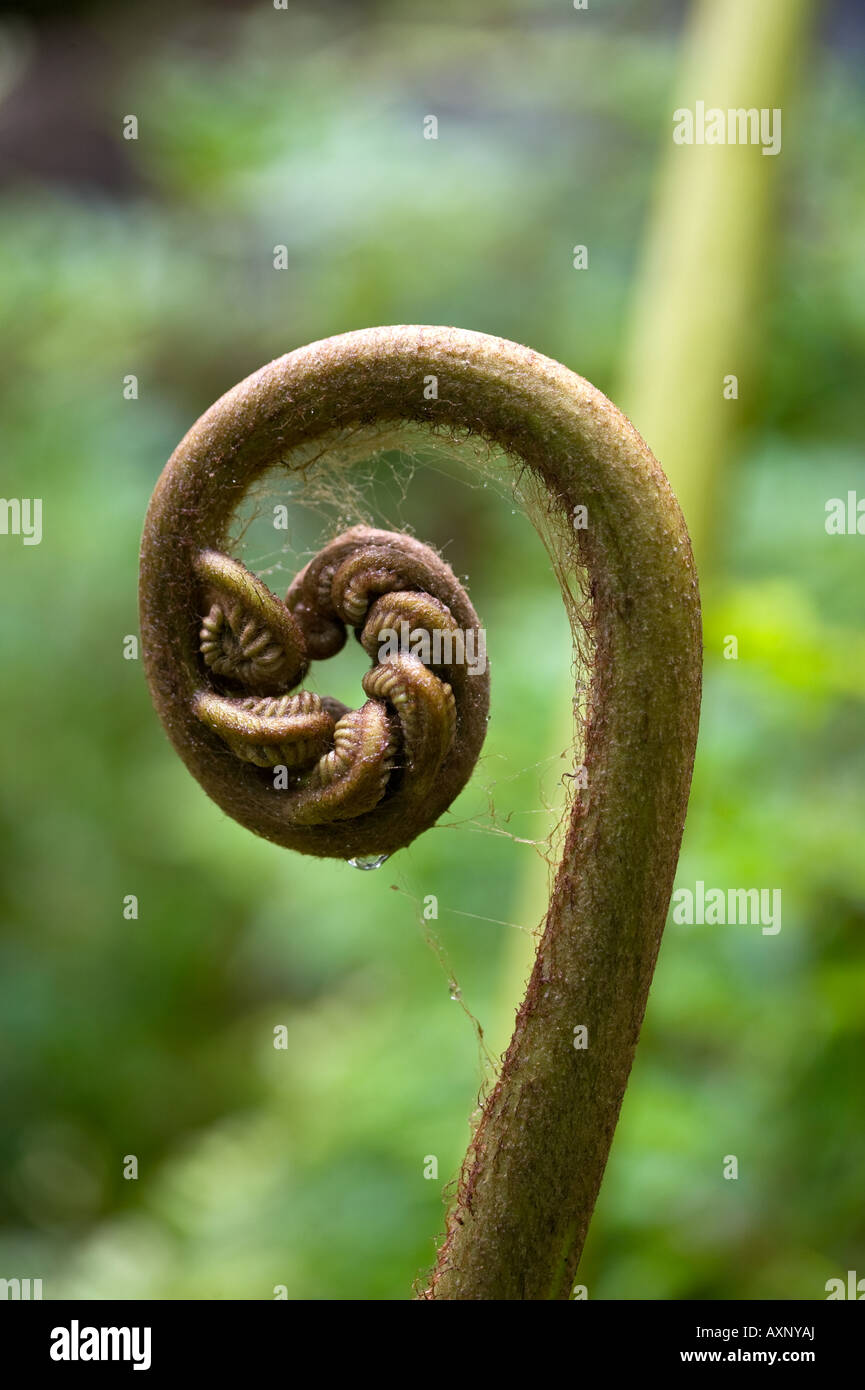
369, 861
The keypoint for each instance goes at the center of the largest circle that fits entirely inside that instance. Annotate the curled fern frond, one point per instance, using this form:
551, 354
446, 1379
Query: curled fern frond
352, 782
535, 1163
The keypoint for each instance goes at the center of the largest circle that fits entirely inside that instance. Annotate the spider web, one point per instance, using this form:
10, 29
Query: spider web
375, 476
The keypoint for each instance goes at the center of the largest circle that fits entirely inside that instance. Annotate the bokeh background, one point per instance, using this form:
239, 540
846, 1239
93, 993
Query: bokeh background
303, 127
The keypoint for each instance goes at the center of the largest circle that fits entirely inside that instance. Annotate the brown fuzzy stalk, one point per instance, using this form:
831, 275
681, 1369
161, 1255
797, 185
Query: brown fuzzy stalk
536, 1161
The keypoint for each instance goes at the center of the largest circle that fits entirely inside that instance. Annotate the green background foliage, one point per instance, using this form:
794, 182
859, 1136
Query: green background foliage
304, 1167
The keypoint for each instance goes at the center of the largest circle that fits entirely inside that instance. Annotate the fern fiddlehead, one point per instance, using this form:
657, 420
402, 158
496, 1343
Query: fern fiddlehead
222, 656
356, 783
